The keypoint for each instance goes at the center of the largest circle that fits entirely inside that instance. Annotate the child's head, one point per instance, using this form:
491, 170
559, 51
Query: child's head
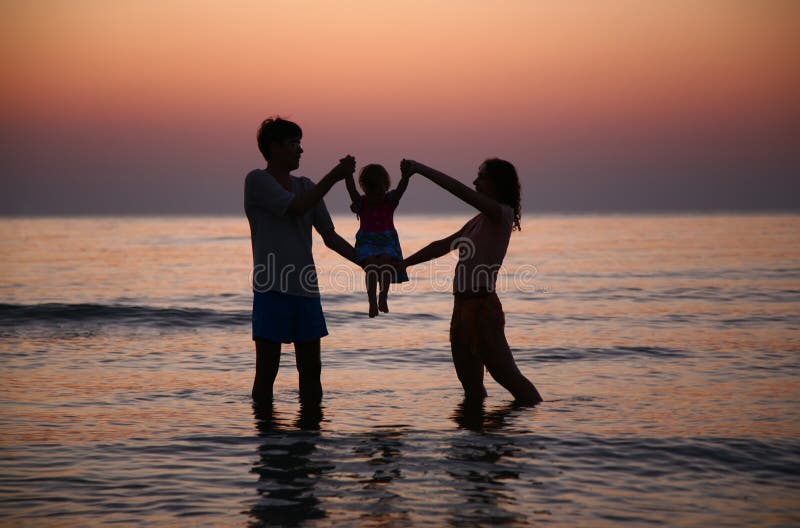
498, 178
276, 130
374, 180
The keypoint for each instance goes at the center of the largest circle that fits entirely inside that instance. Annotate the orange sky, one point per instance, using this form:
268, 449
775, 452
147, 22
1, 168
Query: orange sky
370, 77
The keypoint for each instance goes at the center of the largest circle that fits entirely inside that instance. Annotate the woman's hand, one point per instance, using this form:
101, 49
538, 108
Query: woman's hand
408, 167
398, 266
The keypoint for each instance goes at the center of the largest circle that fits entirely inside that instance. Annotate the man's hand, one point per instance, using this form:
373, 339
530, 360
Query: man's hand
345, 168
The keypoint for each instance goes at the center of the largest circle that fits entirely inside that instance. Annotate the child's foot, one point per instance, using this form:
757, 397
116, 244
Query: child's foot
383, 305
373, 309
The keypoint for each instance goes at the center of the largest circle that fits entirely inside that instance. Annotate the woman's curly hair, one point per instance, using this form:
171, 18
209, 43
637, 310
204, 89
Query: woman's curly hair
506, 183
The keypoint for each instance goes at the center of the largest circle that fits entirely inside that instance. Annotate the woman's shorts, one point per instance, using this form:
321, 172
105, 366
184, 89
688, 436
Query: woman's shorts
284, 318
476, 319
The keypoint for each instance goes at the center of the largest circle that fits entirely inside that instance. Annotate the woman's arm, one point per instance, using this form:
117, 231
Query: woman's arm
433, 250
481, 202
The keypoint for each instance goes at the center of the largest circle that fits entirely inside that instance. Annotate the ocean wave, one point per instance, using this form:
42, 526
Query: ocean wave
92, 315
682, 459
702, 293
689, 273
60, 313
558, 354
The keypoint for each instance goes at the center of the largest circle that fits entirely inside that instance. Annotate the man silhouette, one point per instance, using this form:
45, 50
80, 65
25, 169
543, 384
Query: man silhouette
281, 210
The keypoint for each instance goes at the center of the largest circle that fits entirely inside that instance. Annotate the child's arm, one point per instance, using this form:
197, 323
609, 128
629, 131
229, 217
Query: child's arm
350, 183
481, 202
401, 186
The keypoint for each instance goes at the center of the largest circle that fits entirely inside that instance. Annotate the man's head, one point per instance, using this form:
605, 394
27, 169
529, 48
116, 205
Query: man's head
279, 141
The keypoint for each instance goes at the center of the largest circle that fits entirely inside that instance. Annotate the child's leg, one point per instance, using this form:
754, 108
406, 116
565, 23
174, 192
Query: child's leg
385, 280
371, 269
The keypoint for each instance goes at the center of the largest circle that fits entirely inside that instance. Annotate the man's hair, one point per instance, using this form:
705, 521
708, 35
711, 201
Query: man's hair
276, 130
371, 175
506, 184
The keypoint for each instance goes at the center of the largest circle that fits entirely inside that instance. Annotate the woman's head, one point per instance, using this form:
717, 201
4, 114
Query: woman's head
374, 180
498, 178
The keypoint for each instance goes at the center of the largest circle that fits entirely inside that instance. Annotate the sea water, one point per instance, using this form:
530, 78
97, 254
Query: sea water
667, 349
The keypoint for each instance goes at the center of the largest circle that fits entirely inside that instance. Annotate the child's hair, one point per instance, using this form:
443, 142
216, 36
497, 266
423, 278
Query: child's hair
276, 130
371, 176
506, 184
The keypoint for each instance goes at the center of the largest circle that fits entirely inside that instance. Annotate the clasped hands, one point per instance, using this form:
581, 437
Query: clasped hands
347, 166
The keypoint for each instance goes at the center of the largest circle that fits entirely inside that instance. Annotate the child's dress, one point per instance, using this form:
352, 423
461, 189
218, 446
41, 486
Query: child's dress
376, 234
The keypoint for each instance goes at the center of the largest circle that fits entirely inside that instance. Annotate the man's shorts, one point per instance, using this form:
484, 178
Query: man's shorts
284, 318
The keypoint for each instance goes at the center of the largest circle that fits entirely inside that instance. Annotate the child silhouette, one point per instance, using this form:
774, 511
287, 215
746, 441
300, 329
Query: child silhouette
377, 244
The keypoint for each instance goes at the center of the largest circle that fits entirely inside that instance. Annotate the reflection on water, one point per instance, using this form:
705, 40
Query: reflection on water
287, 473
383, 450
666, 346
472, 415
481, 464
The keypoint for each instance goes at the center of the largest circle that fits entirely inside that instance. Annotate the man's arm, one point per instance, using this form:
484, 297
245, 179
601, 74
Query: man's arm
339, 245
303, 202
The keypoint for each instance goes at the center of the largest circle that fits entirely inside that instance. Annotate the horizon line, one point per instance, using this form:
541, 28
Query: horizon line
762, 211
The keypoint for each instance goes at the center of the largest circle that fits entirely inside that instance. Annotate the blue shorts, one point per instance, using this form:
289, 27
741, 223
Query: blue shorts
284, 318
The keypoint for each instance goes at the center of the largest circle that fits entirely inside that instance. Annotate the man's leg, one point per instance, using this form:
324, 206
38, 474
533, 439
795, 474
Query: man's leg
268, 359
309, 369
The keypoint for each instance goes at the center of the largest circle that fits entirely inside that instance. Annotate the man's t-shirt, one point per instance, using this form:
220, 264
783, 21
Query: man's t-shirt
282, 258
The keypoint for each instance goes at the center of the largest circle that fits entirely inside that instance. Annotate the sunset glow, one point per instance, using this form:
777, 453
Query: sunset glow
565, 87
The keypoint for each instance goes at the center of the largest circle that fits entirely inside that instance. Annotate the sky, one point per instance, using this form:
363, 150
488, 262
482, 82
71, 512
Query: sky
152, 106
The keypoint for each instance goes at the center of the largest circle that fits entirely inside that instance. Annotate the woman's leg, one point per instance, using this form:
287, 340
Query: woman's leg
496, 354
469, 368
502, 367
